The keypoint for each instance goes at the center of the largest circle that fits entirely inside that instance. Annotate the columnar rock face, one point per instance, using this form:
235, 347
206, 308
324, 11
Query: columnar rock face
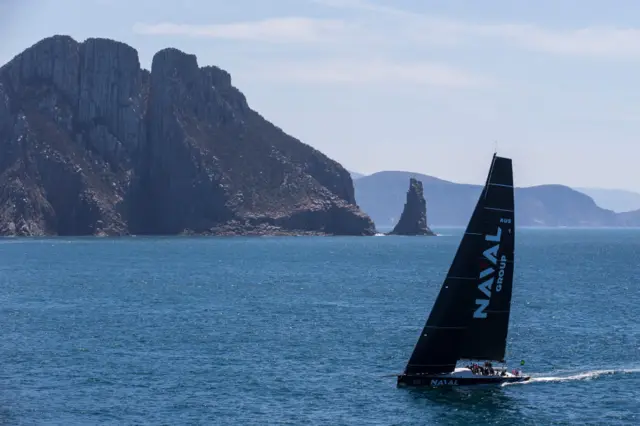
92, 144
413, 220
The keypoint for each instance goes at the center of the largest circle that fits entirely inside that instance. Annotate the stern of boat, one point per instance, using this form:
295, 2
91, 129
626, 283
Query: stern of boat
401, 381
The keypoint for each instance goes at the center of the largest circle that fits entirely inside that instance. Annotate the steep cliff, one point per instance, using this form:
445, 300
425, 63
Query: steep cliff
92, 144
413, 220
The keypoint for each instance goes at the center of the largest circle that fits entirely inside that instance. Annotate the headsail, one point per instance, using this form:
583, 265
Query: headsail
445, 337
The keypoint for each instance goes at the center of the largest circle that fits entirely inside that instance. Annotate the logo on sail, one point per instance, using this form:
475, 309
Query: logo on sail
488, 276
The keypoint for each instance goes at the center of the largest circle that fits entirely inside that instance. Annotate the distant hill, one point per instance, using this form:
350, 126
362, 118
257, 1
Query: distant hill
618, 200
631, 218
382, 195
356, 175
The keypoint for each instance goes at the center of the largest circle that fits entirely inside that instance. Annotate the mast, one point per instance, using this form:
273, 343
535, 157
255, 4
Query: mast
462, 299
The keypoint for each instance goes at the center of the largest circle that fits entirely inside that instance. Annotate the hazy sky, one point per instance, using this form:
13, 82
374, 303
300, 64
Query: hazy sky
424, 86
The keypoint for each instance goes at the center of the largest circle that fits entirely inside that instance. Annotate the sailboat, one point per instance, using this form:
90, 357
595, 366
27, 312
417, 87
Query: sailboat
470, 317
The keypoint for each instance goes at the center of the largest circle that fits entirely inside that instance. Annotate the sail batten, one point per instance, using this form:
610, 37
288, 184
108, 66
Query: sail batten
498, 209
470, 316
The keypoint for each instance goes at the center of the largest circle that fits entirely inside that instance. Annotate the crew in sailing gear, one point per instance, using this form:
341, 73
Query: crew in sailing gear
489, 368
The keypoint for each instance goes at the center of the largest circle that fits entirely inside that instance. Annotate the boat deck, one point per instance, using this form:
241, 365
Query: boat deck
466, 372
459, 377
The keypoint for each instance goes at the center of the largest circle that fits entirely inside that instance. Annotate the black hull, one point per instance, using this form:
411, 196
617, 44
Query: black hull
438, 381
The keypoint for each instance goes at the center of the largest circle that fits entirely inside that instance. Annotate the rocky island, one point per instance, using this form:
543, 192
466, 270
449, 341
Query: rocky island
92, 144
413, 220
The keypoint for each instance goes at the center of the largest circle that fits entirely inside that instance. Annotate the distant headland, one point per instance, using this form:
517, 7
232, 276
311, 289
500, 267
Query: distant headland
381, 195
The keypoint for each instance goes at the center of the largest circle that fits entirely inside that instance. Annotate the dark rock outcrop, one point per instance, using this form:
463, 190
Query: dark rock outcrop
91, 144
413, 220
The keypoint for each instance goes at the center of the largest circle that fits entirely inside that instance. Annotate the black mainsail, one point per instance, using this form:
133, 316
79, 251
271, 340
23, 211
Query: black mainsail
470, 316
486, 337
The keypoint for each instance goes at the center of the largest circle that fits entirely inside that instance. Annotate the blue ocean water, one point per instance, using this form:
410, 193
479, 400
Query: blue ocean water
244, 331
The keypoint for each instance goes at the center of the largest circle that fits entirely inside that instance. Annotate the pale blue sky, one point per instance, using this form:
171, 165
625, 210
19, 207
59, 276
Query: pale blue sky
417, 85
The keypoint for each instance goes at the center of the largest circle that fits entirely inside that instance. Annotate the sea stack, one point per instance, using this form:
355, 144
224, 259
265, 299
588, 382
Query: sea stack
413, 220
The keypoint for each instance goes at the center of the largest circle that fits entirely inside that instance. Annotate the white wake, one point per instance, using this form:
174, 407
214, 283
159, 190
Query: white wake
587, 375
